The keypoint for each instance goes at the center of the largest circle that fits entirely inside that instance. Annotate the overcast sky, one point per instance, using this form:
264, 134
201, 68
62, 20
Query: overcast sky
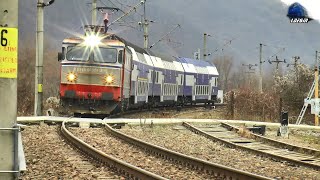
313, 6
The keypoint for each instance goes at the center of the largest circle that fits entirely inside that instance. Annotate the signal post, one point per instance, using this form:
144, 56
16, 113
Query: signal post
9, 168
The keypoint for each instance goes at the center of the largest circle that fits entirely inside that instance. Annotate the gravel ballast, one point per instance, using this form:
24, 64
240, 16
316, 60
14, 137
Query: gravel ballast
105, 142
186, 142
49, 157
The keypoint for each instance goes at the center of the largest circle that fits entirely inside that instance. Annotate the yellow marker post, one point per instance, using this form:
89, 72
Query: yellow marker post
40, 90
9, 143
8, 52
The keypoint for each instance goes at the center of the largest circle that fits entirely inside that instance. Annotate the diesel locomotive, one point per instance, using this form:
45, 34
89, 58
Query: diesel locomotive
102, 73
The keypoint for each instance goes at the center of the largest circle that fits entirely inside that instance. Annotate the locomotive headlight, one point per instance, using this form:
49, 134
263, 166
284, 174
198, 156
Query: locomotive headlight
92, 40
109, 79
71, 77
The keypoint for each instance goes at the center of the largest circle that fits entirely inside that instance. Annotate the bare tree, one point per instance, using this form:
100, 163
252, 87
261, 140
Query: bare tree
224, 65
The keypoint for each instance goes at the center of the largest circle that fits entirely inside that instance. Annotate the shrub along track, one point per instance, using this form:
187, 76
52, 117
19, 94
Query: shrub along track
259, 145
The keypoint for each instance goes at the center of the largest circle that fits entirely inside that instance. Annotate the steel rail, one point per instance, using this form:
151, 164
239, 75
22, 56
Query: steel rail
277, 143
255, 151
188, 161
122, 167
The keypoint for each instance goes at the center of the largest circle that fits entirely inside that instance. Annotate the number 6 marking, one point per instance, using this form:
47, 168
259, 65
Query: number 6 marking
4, 40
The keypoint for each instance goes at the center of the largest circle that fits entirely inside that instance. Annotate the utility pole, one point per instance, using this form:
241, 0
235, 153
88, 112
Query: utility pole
38, 94
9, 168
250, 71
260, 70
295, 61
94, 12
277, 61
295, 65
197, 54
204, 46
205, 36
316, 88
145, 28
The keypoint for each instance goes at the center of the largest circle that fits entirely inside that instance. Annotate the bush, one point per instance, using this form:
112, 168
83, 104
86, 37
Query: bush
26, 77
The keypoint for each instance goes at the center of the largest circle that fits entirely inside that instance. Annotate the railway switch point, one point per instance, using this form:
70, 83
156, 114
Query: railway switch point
258, 129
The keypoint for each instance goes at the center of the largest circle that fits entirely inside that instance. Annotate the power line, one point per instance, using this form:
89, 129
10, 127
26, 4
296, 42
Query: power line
178, 26
123, 20
295, 61
280, 50
222, 48
277, 61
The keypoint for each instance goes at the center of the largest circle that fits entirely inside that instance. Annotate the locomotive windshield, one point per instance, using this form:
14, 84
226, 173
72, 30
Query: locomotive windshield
105, 55
77, 53
99, 54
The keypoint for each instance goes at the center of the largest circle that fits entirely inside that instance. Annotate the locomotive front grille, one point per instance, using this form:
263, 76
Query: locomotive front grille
86, 75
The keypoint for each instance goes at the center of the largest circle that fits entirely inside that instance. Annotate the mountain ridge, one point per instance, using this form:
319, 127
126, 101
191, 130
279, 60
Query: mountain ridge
248, 22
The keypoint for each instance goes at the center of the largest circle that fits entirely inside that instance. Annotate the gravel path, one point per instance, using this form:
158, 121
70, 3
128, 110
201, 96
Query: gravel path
100, 139
189, 143
49, 157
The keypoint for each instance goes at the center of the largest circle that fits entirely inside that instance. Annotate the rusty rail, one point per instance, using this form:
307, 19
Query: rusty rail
122, 167
188, 161
276, 143
255, 151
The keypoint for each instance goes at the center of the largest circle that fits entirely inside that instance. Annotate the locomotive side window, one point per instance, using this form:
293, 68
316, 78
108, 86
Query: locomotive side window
63, 53
120, 57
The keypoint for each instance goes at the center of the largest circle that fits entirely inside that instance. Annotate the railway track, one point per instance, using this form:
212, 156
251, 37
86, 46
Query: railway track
121, 167
259, 145
218, 171
48, 156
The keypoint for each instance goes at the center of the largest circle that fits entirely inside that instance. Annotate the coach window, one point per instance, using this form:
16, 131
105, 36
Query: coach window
151, 77
165, 89
157, 77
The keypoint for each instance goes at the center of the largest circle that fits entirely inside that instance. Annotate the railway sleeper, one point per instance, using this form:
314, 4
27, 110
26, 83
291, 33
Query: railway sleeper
188, 161
274, 157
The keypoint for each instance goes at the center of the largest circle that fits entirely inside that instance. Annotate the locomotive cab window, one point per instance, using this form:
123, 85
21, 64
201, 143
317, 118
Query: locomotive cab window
77, 53
105, 55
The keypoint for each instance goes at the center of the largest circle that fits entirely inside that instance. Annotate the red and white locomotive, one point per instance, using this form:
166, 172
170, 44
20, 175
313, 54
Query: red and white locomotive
103, 73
